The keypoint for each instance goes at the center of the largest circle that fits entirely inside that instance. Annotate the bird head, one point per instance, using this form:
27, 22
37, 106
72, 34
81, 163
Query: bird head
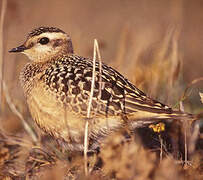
45, 43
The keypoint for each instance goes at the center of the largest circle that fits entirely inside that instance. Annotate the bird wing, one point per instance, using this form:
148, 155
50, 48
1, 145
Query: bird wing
71, 77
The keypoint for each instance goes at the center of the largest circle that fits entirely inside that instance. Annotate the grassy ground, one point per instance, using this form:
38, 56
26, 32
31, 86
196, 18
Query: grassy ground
157, 45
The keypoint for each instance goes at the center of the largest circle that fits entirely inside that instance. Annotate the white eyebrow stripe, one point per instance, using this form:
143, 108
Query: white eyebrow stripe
53, 35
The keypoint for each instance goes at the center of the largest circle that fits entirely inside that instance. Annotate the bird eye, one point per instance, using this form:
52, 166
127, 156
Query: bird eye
44, 40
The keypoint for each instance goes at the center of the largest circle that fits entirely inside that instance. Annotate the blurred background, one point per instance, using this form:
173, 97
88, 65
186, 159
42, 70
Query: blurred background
155, 44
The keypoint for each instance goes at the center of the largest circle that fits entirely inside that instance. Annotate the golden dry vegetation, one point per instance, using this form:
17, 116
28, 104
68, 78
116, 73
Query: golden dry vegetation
156, 44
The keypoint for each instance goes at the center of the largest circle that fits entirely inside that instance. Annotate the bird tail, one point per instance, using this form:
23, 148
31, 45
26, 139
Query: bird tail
144, 118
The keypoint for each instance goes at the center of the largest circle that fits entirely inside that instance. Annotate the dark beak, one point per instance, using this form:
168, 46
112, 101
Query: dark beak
18, 49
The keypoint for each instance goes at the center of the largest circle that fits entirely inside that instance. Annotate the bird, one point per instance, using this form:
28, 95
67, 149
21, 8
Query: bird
57, 87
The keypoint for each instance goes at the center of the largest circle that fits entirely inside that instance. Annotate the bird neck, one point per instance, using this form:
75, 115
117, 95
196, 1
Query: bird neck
30, 73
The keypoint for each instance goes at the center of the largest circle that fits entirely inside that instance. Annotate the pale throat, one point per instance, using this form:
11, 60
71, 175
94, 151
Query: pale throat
43, 54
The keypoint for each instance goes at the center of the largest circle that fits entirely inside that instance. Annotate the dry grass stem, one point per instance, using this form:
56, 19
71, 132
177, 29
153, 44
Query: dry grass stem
201, 97
13, 108
89, 106
185, 133
161, 148
3, 12
185, 141
194, 137
86, 147
122, 46
100, 68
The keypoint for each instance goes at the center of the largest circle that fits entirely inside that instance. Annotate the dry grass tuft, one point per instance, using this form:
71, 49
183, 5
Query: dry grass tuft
126, 159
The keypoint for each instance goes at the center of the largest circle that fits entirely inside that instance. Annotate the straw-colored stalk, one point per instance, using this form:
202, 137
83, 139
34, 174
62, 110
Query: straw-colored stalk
2, 17
86, 142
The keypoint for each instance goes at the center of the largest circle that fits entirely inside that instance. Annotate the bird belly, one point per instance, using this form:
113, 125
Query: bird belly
53, 117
